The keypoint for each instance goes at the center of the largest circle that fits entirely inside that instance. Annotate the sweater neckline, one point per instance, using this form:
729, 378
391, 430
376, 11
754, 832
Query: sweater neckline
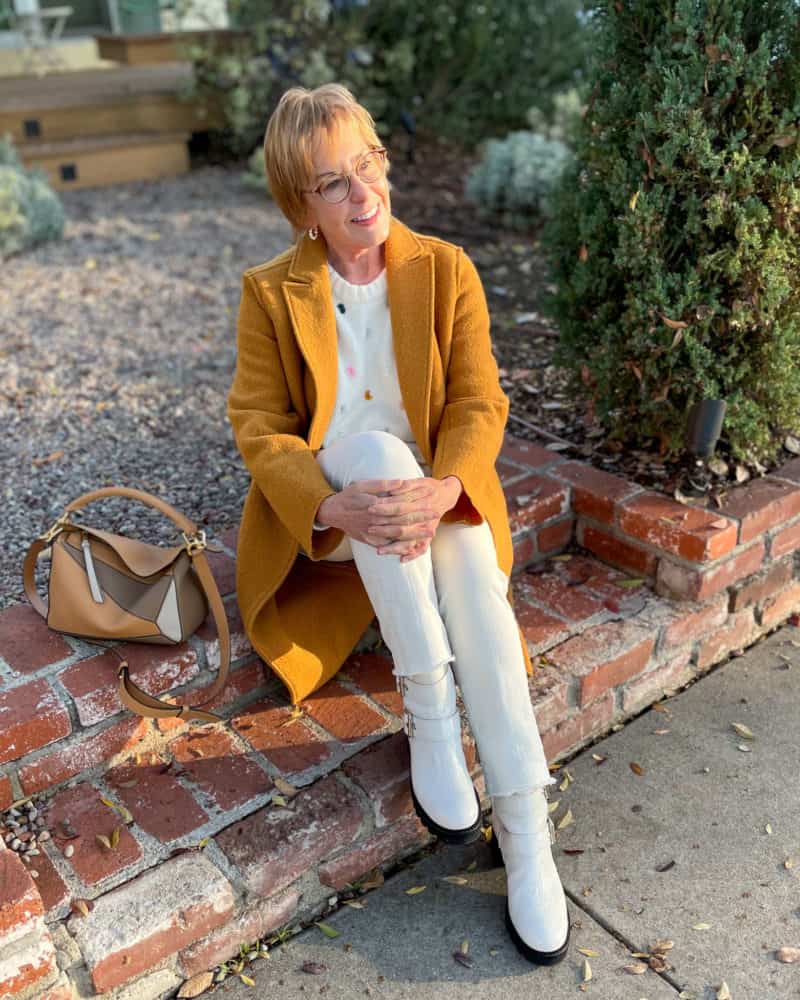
346, 291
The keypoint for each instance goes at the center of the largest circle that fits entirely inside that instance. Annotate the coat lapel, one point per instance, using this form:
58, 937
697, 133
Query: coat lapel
409, 277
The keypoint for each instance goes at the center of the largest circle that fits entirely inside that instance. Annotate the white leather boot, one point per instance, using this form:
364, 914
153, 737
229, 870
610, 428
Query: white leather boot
536, 911
444, 796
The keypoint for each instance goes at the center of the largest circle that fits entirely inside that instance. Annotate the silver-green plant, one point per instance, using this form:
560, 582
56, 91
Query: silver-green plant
516, 176
30, 211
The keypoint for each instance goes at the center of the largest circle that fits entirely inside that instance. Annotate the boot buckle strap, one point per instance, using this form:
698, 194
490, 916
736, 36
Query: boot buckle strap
444, 730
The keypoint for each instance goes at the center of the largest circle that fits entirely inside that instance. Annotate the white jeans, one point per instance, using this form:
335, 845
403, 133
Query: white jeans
448, 605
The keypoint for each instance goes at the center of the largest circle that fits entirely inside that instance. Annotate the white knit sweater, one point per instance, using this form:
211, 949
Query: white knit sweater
368, 391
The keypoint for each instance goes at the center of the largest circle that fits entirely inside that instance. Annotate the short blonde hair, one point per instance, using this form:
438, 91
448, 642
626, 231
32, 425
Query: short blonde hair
291, 133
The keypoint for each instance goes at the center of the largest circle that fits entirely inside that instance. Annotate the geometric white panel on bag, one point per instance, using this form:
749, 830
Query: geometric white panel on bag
169, 620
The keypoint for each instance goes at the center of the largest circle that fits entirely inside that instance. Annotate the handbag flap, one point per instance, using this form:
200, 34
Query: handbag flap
141, 558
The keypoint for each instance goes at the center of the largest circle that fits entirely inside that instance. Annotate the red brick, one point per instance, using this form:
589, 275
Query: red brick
50, 885
92, 862
94, 684
244, 679
6, 793
549, 697
762, 504
210, 759
240, 643
785, 540
571, 603
383, 771
779, 607
535, 499
759, 587
516, 449
160, 805
506, 471
651, 686
26, 641
693, 624
345, 715
274, 846
540, 629
20, 903
31, 716
77, 757
615, 551
680, 582
291, 747
34, 960
372, 672
689, 532
736, 634
256, 921
580, 727
524, 550
136, 926
383, 846
556, 536
223, 569
604, 656
592, 574
230, 537
595, 493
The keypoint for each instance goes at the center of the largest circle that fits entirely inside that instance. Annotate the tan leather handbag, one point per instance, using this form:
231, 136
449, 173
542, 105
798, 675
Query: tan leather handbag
106, 586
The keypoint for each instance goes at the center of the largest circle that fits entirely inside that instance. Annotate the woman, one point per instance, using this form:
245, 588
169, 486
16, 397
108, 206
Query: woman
367, 407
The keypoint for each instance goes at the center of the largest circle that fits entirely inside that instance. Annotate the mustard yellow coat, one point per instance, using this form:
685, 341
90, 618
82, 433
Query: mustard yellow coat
305, 615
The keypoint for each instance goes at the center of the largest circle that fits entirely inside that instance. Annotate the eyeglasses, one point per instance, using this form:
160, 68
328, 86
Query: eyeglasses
371, 165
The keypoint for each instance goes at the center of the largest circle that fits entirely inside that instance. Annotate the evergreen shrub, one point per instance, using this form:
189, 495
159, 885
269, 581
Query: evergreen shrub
673, 245
30, 211
516, 176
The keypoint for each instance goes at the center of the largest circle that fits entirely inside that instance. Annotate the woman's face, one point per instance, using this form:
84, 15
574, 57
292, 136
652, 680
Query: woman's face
339, 153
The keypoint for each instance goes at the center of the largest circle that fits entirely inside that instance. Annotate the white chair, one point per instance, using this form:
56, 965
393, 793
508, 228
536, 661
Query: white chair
40, 28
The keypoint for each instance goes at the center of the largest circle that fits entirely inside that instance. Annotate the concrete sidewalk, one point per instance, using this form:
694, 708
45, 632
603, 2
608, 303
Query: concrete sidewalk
702, 848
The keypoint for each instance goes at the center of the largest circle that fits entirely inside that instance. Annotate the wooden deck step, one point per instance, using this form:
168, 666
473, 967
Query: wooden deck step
166, 46
102, 102
113, 159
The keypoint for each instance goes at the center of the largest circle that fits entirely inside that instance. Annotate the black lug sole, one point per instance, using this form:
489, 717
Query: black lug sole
466, 836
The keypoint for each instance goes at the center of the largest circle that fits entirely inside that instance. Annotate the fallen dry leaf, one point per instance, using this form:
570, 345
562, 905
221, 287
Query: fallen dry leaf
723, 993
565, 820
636, 968
589, 952
415, 889
788, 955
586, 971
700, 927
636, 768
742, 730
196, 985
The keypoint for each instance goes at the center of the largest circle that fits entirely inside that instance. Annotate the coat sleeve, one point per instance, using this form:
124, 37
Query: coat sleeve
470, 434
267, 429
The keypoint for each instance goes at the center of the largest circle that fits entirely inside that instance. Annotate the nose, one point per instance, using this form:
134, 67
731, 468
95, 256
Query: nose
359, 190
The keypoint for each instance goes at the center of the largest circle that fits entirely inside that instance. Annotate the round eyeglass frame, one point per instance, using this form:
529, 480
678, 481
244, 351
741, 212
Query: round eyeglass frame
382, 150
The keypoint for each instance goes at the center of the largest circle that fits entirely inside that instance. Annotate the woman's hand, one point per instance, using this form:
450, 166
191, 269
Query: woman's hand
399, 510
351, 510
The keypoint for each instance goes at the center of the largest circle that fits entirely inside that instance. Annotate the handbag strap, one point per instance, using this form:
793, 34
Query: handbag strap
131, 695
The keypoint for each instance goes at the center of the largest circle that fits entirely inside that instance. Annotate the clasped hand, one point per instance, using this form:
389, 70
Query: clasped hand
394, 515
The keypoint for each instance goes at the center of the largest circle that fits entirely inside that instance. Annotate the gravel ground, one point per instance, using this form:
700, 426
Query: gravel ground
118, 349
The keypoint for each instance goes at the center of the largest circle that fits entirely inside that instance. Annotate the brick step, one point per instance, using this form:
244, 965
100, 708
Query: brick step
607, 642
109, 159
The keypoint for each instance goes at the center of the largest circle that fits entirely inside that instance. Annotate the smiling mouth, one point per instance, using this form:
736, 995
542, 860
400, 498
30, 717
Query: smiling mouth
366, 215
